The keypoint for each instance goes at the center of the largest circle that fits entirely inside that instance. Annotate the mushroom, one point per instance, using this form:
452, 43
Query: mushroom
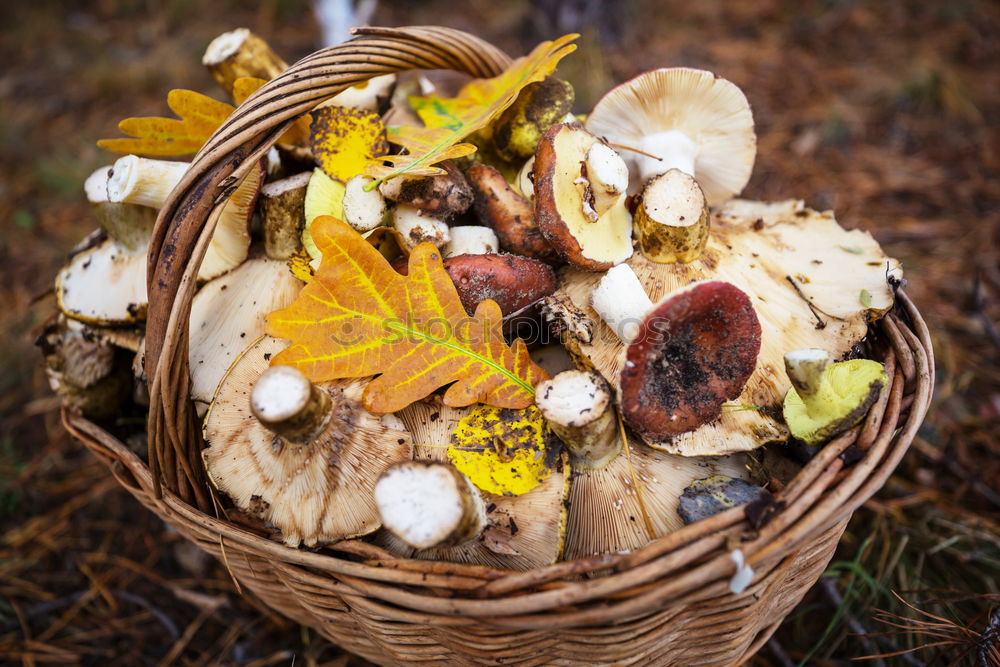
311, 471
579, 408
538, 106
364, 209
413, 227
682, 118
131, 225
525, 182
633, 499
229, 311
472, 240
104, 285
428, 504
240, 53
283, 214
509, 214
565, 206
812, 284
512, 281
621, 301
443, 196
522, 532
139, 180
826, 399
672, 218
693, 351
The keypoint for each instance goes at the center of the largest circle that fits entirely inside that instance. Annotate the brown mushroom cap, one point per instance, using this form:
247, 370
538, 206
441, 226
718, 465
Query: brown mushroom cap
708, 110
561, 208
812, 283
694, 351
314, 493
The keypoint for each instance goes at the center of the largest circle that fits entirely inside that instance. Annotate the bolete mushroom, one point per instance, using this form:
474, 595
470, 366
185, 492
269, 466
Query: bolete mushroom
568, 212
303, 457
683, 118
812, 284
522, 531
826, 399
693, 351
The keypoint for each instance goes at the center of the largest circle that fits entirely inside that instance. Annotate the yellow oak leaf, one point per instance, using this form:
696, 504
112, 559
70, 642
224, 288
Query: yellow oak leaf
358, 317
478, 103
199, 116
344, 140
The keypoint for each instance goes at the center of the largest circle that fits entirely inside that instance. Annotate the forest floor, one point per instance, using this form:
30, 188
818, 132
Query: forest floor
887, 113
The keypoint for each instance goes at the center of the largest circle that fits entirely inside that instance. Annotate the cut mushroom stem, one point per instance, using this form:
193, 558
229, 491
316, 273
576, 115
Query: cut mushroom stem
672, 218
139, 180
621, 301
415, 227
283, 207
239, 53
472, 240
607, 175
364, 209
805, 370
287, 403
128, 224
577, 406
429, 505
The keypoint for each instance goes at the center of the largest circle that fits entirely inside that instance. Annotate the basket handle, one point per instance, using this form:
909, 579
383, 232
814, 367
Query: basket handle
187, 220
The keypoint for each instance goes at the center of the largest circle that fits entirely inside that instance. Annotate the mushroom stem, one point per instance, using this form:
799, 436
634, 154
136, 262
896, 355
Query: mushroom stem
239, 53
621, 301
578, 408
472, 240
287, 403
139, 180
128, 224
364, 210
283, 206
672, 149
415, 227
805, 370
525, 179
429, 504
608, 176
672, 219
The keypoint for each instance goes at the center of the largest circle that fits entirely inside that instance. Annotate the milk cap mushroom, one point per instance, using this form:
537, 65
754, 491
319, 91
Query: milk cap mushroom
428, 504
230, 242
310, 470
678, 117
579, 408
826, 399
672, 218
565, 207
694, 351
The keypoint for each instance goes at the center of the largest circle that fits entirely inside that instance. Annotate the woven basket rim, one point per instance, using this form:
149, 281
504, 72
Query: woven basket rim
693, 562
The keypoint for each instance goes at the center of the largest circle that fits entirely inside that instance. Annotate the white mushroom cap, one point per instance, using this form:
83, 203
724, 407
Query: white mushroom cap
703, 122
104, 285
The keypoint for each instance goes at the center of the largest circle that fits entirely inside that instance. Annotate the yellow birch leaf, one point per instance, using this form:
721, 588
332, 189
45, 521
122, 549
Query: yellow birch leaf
344, 140
478, 103
358, 317
199, 116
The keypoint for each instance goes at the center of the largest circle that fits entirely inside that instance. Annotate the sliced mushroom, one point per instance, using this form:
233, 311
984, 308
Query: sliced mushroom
811, 283
522, 532
682, 118
229, 311
826, 399
314, 490
564, 204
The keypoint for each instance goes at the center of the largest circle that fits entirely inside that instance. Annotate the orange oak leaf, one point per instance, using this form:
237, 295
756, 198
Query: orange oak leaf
478, 103
358, 317
199, 114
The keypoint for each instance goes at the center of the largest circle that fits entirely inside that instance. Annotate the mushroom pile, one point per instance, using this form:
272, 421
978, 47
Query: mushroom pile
682, 328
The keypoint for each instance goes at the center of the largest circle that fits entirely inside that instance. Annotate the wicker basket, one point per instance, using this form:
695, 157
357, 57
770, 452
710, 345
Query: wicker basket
667, 603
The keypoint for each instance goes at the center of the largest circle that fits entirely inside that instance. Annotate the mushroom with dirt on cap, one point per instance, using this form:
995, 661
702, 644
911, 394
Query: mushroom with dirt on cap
683, 118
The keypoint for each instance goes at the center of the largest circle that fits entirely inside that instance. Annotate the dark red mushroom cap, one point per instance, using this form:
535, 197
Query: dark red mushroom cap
693, 352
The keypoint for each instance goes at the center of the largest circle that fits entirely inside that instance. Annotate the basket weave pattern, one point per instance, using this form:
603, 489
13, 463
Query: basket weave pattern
667, 603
